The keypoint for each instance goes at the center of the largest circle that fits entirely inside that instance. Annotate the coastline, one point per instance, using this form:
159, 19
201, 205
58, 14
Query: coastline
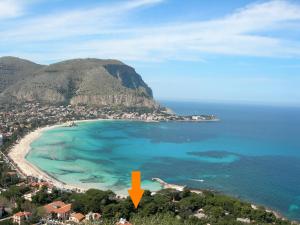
177, 187
20, 150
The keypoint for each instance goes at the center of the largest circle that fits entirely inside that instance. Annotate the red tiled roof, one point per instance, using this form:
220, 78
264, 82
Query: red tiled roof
64, 209
41, 184
34, 184
78, 216
57, 207
20, 214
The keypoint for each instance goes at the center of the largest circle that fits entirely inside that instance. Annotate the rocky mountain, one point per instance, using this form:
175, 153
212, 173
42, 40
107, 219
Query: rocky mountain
92, 82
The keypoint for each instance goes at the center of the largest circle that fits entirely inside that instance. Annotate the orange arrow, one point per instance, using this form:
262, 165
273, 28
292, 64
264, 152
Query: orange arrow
136, 192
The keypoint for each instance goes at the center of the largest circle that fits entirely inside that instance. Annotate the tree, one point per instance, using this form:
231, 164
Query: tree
149, 209
78, 206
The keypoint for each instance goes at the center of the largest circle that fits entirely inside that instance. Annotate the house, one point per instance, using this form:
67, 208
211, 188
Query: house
20, 217
93, 216
123, 222
58, 210
12, 174
198, 118
28, 196
77, 217
40, 185
243, 220
200, 214
22, 184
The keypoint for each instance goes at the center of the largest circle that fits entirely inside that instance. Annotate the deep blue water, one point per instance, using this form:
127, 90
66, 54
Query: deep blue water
252, 153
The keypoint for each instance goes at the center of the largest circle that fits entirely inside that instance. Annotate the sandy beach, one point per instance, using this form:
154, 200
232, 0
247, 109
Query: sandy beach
21, 149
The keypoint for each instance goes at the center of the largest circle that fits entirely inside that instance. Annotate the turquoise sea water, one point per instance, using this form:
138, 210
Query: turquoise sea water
252, 153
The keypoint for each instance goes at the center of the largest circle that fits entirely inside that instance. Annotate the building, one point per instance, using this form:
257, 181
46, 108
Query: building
243, 220
1, 139
12, 174
93, 216
40, 185
77, 217
198, 118
58, 210
200, 214
20, 217
28, 196
123, 222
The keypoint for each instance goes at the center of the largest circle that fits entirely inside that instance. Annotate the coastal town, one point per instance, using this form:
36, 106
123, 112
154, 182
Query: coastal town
18, 120
30, 115
35, 199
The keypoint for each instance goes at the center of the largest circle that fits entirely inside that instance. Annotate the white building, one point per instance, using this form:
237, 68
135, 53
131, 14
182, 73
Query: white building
123, 221
21, 217
243, 220
76, 217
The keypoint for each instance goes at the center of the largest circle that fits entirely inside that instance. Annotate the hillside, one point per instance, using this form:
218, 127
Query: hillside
92, 82
13, 70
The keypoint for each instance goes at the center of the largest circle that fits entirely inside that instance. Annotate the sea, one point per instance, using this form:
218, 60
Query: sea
252, 153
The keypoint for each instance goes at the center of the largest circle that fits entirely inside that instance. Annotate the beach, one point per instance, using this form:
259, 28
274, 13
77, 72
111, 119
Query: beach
20, 150
18, 155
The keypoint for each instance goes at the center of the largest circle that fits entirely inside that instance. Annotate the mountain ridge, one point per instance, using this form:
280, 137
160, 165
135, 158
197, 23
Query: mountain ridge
89, 81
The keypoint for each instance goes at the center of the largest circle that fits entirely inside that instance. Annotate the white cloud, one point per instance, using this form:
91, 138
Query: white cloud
106, 35
72, 23
10, 8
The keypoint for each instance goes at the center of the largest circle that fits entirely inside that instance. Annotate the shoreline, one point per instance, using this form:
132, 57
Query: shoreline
18, 155
19, 151
177, 187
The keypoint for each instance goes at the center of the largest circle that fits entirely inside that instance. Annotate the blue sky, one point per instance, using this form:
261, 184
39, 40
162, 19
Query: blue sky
238, 51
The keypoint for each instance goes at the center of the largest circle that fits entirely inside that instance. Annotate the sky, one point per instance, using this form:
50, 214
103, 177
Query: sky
209, 50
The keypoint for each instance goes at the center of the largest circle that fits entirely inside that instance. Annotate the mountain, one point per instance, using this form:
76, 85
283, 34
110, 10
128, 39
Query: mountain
93, 82
14, 69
